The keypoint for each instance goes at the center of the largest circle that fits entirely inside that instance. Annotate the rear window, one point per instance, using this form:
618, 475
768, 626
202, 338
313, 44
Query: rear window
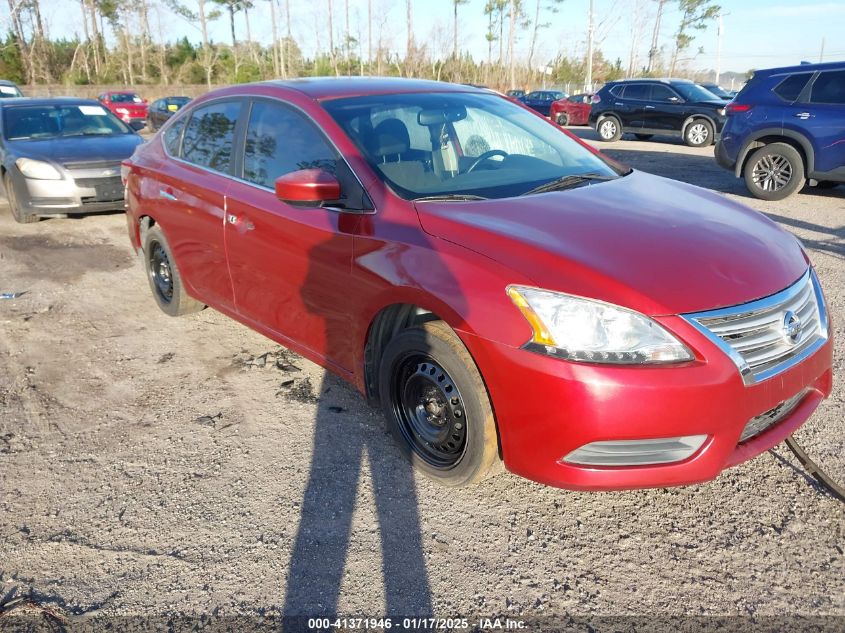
637, 91
209, 135
829, 87
790, 88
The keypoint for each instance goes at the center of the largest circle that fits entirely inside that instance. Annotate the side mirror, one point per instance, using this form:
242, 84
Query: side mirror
307, 187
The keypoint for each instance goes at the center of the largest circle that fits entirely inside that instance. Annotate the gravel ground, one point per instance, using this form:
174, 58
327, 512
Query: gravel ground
151, 465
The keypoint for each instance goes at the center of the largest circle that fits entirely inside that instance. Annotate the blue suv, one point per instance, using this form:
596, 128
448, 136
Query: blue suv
787, 125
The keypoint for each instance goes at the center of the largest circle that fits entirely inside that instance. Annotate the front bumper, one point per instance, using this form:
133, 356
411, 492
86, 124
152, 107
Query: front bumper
546, 408
70, 196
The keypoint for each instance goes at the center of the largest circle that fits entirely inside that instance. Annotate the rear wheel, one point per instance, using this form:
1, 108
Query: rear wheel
165, 280
643, 137
563, 119
19, 214
774, 172
437, 406
609, 129
699, 133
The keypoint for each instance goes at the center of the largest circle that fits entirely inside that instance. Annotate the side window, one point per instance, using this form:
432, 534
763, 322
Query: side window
790, 88
639, 92
209, 135
173, 136
617, 91
279, 141
829, 87
659, 92
533, 95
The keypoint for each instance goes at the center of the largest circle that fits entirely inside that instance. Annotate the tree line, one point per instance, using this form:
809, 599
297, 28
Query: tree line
130, 42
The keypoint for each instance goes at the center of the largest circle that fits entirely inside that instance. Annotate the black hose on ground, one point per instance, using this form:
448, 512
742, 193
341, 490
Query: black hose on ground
818, 474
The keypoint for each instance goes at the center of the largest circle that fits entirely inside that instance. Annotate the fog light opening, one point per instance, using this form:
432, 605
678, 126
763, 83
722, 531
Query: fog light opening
663, 450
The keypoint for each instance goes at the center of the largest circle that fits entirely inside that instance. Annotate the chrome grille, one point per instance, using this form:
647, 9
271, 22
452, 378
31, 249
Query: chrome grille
767, 336
768, 419
94, 164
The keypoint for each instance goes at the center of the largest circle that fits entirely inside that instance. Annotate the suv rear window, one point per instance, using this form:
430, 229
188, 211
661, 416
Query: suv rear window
829, 87
790, 88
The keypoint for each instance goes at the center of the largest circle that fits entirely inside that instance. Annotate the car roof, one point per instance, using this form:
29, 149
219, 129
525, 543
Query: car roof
37, 101
6, 82
337, 87
801, 68
663, 80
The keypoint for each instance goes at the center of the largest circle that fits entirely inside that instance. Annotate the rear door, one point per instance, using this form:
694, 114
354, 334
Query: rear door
823, 117
193, 189
631, 105
290, 266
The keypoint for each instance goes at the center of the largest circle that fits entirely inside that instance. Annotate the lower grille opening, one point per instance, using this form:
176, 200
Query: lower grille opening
766, 420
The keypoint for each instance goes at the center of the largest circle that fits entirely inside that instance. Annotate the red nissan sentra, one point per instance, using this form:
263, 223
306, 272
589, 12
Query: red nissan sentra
504, 291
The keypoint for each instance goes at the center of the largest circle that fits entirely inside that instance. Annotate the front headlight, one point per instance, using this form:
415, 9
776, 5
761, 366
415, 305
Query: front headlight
37, 169
591, 331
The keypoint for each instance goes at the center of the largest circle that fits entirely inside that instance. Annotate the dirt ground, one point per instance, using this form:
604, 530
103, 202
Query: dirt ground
151, 465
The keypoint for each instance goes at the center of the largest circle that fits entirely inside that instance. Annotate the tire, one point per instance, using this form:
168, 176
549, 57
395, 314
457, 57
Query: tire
643, 137
431, 390
163, 275
774, 172
699, 133
20, 216
609, 129
563, 119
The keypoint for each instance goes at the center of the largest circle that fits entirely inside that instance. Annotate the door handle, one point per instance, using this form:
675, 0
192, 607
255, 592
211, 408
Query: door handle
649, 107
803, 115
162, 193
242, 223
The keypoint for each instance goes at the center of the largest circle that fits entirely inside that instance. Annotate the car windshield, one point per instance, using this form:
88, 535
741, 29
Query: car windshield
125, 97
52, 121
177, 101
461, 145
694, 92
716, 90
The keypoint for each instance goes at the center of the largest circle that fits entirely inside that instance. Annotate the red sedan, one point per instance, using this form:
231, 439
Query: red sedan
505, 292
127, 106
574, 110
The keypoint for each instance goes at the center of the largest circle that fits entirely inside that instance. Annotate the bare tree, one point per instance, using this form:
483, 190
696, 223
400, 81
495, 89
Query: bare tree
455, 5
695, 14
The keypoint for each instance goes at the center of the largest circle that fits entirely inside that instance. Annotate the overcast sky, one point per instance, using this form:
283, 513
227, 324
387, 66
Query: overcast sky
757, 33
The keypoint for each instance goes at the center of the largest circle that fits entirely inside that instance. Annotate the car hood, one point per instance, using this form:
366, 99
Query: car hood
654, 245
77, 148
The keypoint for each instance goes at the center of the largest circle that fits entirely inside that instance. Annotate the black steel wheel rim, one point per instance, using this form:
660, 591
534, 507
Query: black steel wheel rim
430, 411
161, 272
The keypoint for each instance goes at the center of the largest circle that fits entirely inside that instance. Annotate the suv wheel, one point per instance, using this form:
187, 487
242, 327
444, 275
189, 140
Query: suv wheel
774, 172
699, 133
609, 129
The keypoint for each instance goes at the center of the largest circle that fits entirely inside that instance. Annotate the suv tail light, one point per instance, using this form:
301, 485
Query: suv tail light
595, 98
736, 108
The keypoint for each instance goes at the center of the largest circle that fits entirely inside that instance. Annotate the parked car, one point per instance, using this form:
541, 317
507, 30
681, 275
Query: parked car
503, 290
162, 109
541, 100
9, 89
716, 89
516, 94
786, 126
647, 107
127, 106
62, 156
573, 110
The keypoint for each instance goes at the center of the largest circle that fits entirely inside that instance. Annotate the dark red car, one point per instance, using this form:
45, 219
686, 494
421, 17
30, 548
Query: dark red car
505, 292
127, 106
573, 110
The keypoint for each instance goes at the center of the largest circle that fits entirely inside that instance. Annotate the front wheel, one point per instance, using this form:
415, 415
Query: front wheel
699, 133
437, 407
563, 119
21, 216
609, 129
774, 172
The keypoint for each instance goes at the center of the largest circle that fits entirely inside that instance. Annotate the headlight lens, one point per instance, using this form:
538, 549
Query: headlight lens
37, 169
591, 331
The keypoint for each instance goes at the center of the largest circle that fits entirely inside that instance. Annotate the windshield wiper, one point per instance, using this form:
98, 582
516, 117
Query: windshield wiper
568, 182
88, 134
450, 197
